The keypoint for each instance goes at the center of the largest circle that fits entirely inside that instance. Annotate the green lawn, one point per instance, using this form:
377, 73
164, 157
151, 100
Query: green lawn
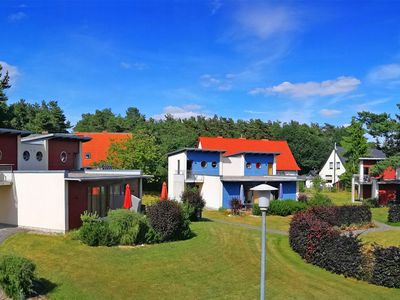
386, 238
221, 262
381, 215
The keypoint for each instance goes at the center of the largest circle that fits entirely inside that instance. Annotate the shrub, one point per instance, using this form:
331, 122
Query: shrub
386, 270
320, 200
285, 207
127, 227
236, 205
342, 215
193, 198
371, 202
394, 213
167, 219
302, 188
303, 197
95, 231
256, 211
16, 276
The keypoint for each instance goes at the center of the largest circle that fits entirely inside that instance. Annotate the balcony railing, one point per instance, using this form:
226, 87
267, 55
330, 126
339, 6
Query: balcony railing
190, 176
363, 179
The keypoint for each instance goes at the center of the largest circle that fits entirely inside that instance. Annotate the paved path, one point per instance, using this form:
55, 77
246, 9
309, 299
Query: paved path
380, 227
275, 231
7, 231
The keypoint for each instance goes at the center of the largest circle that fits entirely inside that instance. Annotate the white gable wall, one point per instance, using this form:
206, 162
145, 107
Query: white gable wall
327, 173
232, 165
176, 182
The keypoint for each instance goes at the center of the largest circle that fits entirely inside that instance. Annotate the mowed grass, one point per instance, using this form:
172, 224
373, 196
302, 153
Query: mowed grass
385, 238
221, 262
273, 222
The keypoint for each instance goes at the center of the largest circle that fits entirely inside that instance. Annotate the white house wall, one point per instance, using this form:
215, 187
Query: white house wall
176, 182
211, 191
41, 200
327, 171
233, 165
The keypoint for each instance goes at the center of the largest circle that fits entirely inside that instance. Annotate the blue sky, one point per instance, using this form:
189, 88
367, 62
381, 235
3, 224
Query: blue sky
311, 61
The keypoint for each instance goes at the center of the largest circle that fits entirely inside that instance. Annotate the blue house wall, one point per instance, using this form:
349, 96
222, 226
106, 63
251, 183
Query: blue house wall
264, 159
289, 190
231, 190
210, 157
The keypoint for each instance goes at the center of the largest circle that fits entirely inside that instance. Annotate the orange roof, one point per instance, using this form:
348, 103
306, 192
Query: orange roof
97, 149
285, 161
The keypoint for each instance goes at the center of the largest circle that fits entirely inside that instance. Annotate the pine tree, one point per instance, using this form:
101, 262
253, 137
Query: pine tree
4, 84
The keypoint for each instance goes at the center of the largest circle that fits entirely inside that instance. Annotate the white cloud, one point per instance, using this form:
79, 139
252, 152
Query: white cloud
18, 16
385, 73
184, 112
135, 66
12, 71
266, 21
223, 84
342, 84
369, 105
329, 112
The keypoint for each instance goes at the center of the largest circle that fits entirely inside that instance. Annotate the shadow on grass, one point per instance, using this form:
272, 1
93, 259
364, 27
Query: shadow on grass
205, 220
42, 287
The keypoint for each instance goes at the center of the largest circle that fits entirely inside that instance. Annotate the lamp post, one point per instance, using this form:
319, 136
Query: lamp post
264, 196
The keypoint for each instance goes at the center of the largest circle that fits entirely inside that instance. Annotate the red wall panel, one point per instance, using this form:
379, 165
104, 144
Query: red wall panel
55, 149
9, 149
77, 203
389, 174
387, 193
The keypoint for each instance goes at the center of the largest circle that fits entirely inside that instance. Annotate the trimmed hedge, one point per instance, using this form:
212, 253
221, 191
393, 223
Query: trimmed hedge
343, 215
16, 276
386, 270
285, 207
394, 214
320, 200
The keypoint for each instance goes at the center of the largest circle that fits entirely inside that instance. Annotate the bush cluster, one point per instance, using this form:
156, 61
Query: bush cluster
168, 220
17, 275
236, 205
394, 213
322, 245
303, 197
386, 270
312, 234
256, 211
320, 200
371, 202
285, 207
192, 197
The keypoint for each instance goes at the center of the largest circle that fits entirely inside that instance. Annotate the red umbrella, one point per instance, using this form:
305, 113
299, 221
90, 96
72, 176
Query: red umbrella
164, 193
127, 198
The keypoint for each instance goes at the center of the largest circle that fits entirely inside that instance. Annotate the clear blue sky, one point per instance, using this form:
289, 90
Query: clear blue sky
312, 61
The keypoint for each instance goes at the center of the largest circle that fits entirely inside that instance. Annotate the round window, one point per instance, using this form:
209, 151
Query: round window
203, 164
1, 154
214, 164
248, 165
63, 157
39, 155
26, 155
258, 165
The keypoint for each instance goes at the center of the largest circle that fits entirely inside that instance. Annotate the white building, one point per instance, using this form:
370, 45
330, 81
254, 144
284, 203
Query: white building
225, 168
333, 167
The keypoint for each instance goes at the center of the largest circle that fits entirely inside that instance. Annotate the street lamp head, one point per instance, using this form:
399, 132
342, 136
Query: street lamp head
264, 195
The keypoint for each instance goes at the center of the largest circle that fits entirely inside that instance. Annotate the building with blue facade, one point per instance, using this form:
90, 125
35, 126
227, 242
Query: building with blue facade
225, 168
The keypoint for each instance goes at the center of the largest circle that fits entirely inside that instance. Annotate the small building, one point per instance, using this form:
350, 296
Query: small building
333, 167
225, 168
385, 187
43, 185
95, 151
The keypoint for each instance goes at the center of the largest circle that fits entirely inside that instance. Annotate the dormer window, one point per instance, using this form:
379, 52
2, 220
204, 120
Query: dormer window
203, 164
248, 165
63, 157
258, 165
26, 155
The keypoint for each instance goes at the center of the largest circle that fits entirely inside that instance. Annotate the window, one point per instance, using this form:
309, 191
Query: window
338, 165
26, 155
97, 200
331, 165
1, 154
39, 156
258, 165
248, 165
88, 155
214, 164
63, 157
203, 164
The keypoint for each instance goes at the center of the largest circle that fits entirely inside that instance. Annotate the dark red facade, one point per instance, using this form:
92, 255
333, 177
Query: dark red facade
9, 150
387, 193
56, 148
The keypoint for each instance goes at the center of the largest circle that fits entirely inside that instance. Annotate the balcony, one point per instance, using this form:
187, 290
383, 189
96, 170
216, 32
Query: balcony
189, 176
363, 179
4, 169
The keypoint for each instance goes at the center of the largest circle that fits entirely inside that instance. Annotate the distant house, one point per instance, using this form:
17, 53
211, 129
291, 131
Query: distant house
333, 167
227, 168
96, 150
43, 186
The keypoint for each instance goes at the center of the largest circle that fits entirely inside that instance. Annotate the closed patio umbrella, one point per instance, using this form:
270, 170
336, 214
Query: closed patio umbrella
280, 191
241, 195
127, 198
164, 193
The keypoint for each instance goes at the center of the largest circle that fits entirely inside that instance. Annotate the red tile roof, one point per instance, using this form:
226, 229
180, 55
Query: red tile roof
285, 161
99, 145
